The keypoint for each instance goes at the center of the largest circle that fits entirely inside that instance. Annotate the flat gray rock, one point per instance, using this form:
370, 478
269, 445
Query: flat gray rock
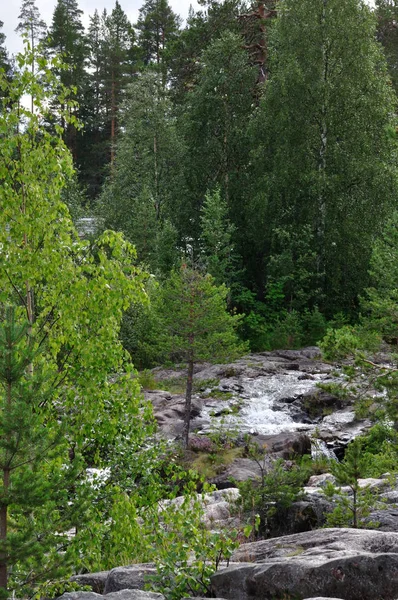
133, 577
121, 595
353, 564
95, 580
134, 595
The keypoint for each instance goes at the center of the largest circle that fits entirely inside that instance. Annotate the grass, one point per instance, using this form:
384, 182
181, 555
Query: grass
211, 464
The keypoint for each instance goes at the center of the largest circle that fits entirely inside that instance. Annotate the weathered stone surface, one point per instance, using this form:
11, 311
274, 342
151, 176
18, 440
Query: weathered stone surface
169, 410
80, 596
346, 563
317, 481
95, 580
121, 595
134, 595
239, 470
132, 577
386, 519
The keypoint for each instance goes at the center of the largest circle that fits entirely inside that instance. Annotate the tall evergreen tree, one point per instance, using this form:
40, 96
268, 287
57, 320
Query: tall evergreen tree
387, 32
202, 28
147, 183
326, 152
5, 64
119, 62
66, 38
93, 139
157, 26
31, 24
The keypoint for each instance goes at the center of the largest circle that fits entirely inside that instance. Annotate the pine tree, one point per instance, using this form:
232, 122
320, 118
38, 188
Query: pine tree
93, 140
119, 57
67, 39
217, 239
197, 325
5, 65
34, 27
157, 27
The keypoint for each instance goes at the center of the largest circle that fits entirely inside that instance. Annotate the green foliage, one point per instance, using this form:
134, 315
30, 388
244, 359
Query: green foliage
380, 301
265, 500
71, 294
341, 343
142, 196
196, 325
318, 152
351, 509
379, 451
167, 532
217, 233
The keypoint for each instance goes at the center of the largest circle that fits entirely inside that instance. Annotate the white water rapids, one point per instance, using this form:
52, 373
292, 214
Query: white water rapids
262, 406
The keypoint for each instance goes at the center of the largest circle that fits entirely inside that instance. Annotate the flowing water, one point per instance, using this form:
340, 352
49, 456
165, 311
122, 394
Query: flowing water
265, 405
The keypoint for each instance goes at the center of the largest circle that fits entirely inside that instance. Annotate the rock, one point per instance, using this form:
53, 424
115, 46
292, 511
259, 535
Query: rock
317, 481
355, 564
135, 595
121, 595
169, 411
216, 505
323, 598
240, 469
80, 596
95, 580
386, 519
132, 577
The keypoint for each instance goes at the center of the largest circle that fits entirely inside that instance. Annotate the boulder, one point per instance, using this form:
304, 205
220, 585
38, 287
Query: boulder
384, 520
96, 581
353, 564
132, 577
121, 595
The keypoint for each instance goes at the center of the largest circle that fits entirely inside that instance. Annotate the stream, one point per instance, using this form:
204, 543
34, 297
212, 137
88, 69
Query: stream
265, 406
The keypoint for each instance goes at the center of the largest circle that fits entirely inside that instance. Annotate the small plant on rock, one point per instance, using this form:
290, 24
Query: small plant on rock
266, 500
354, 506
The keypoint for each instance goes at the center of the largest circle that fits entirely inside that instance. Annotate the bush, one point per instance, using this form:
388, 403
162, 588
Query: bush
265, 500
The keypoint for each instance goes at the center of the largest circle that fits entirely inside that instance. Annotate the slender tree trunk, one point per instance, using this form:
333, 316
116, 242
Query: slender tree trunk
3, 531
33, 67
354, 508
4, 509
155, 154
113, 120
323, 143
188, 399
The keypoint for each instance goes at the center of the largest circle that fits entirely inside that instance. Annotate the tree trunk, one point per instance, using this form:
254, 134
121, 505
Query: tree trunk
323, 146
113, 120
188, 398
354, 508
4, 510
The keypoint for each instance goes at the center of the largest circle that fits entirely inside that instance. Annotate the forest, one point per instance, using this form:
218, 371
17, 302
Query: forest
173, 193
